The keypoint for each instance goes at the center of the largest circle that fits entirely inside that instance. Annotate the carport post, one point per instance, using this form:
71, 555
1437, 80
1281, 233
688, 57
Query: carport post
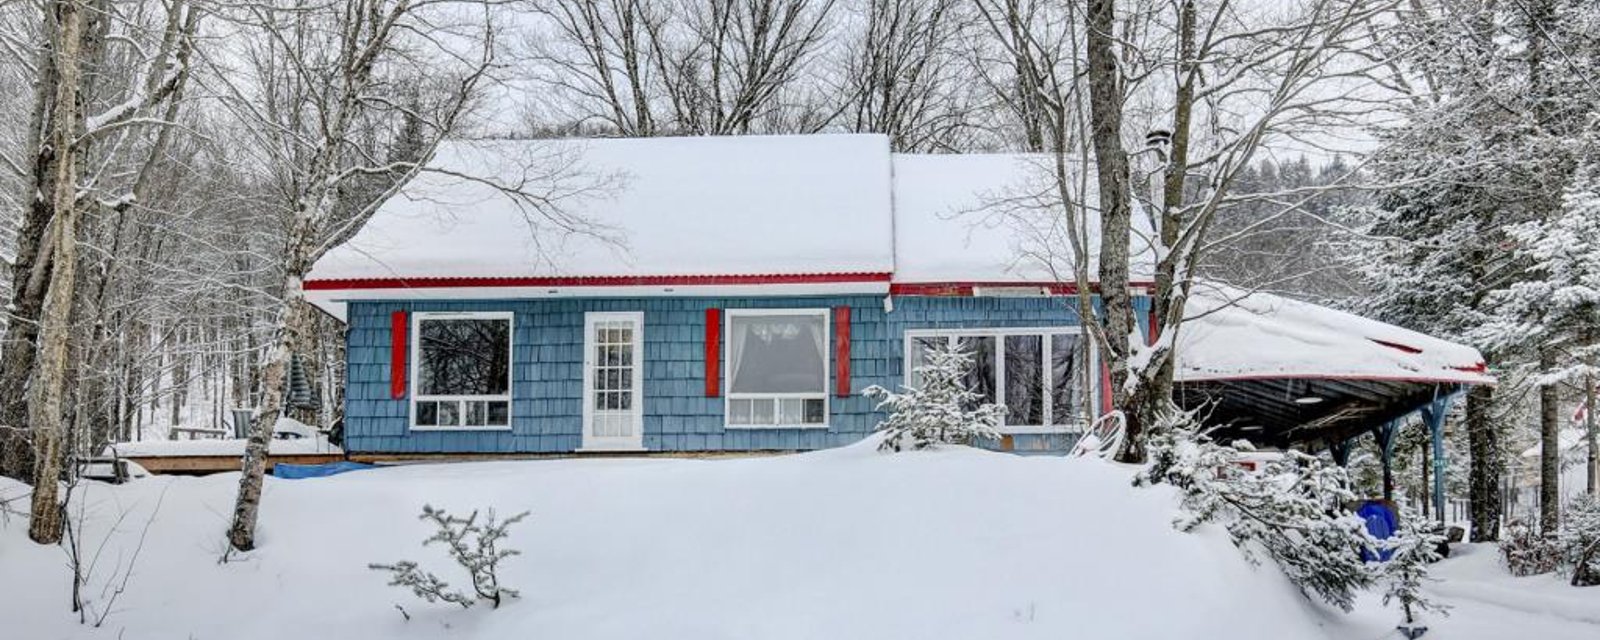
1433, 414
1385, 436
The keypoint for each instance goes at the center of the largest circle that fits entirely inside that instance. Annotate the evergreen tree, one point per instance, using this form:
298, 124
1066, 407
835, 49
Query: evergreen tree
941, 410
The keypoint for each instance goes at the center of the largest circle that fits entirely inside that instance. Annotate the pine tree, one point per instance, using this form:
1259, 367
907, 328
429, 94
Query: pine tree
1580, 541
1291, 511
942, 410
1406, 571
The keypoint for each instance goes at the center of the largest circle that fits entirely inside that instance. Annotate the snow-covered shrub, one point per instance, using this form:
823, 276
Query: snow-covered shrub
1525, 552
473, 545
1579, 541
1291, 510
1412, 549
943, 410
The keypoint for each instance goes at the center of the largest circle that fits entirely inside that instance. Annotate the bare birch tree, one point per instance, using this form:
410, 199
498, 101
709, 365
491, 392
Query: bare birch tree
313, 86
1219, 84
67, 190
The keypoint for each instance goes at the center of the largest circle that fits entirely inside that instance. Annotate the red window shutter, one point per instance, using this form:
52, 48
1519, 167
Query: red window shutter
1105, 389
841, 351
397, 355
713, 353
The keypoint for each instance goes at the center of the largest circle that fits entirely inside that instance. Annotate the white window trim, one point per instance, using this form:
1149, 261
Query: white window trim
999, 334
587, 442
727, 369
416, 363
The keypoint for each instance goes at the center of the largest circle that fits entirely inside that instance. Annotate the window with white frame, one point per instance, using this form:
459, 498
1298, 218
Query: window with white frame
777, 367
1041, 376
462, 371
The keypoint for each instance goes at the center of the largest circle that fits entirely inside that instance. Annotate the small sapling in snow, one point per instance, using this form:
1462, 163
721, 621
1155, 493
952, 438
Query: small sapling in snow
943, 409
473, 545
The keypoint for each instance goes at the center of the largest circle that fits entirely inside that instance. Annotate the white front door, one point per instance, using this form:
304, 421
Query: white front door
613, 376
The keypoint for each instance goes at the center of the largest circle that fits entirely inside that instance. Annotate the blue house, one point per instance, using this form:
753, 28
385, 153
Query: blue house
738, 293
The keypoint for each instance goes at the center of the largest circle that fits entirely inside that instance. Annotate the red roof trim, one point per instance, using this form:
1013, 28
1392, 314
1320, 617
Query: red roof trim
1397, 346
1223, 377
596, 281
966, 288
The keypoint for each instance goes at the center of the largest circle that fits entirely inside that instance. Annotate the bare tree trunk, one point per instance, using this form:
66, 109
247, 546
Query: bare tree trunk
297, 317
1549, 449
45, 392
1591, 435
30, 271
1116, 218
1483, 439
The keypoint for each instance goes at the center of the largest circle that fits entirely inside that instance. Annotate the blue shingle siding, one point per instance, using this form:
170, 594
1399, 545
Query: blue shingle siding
547, 372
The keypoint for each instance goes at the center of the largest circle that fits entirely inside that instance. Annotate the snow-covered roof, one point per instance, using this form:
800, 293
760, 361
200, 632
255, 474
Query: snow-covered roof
746, 214
1231, 334
788, 215
706, 206
991, 218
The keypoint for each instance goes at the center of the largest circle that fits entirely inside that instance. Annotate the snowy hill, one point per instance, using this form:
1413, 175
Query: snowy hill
844, 543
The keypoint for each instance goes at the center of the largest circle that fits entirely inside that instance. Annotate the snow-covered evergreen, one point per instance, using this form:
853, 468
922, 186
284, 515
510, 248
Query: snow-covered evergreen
1558, 298
1292, 510
943, 409
1580, 541
1405, 573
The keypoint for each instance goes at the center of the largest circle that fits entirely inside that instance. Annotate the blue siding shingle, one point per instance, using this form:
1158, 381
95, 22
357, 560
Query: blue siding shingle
547, 371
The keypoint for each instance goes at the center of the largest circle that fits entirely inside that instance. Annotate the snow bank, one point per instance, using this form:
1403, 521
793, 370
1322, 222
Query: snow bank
729, 205
1233, 334
844, 543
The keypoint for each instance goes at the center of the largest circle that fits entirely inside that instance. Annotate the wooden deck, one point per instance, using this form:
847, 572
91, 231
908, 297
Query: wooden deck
201, 465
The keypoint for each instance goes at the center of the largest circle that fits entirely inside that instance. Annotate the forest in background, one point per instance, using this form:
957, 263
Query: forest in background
1428, 163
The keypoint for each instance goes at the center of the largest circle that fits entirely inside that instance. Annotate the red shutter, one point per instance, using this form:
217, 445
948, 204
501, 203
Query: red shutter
841, 351
1105, 389
1155, 325
713, 353
397, 355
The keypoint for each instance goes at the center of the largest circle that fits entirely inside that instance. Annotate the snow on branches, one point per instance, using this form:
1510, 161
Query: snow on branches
943, 409
1293, 510
474, 546
1559, 297
1579, 541
1406, 571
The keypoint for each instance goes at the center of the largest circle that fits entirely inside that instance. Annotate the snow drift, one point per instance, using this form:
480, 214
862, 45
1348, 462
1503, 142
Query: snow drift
845, 543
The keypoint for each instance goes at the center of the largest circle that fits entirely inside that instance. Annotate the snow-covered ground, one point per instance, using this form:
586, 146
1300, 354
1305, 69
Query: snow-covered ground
845, 543
309, 440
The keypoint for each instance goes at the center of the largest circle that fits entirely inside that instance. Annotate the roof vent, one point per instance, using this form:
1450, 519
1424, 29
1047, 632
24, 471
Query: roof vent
1010, 292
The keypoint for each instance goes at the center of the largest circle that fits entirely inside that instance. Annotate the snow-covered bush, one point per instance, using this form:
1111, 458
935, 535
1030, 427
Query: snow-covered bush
943, 410
1412, 549
1525, 552
1579, 541
474, 546
1291, 510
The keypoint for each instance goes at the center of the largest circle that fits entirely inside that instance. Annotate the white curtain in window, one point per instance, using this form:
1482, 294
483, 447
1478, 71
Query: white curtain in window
777, 354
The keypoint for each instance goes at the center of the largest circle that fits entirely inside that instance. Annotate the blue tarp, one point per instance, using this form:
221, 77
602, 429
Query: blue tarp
1382, 523
302, 471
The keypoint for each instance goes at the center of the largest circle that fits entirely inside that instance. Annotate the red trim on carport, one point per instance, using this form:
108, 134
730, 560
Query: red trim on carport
1318, 376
